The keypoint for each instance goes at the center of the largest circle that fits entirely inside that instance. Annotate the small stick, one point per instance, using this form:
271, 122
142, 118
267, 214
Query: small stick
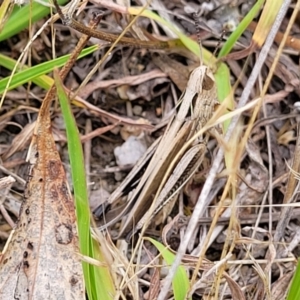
109, 37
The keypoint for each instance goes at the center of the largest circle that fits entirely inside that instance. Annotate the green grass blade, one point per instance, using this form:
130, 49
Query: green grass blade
79, 182
294, 292
240, 29
99, 284
5, 11
180, 281
186, 41
19, 19
35, 73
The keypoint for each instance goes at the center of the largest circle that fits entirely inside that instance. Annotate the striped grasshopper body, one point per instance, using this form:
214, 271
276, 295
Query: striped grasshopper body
199, 98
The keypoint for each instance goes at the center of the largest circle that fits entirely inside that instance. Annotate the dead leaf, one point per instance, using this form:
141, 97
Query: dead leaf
129, 80
40, 260
281, 286
235, 289
175, 70
20, 141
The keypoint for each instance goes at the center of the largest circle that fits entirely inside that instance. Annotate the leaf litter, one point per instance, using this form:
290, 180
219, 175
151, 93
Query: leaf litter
253, 181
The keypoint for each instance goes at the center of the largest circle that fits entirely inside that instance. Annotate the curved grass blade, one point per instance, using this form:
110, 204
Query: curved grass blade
98, 281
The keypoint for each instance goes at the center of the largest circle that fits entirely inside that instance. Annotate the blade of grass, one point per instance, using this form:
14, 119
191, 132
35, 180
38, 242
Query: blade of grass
5, 11
294, 291
266, 21
98, 281
240, 29
19, 19
36, 73
180, 281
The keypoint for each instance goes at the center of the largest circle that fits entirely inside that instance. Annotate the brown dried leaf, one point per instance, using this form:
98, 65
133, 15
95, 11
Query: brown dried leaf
177, 71
154, 285
129, 80
235, 289
20, 141
281, 286
41, 259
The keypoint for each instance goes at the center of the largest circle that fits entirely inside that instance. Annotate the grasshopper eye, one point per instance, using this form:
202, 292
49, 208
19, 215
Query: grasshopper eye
207, 83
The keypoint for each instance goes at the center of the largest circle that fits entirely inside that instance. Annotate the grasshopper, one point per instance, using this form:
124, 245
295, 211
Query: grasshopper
199, 98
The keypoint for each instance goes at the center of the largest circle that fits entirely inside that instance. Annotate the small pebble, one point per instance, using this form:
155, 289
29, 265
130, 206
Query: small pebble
130, 151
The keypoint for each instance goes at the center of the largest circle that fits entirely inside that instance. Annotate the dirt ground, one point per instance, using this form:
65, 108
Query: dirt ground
137, 91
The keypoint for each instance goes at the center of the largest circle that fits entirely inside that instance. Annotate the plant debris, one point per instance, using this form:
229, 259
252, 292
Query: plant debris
242, 252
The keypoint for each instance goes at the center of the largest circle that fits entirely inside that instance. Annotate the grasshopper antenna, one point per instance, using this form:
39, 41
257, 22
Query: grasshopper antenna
198, 27
198, 33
